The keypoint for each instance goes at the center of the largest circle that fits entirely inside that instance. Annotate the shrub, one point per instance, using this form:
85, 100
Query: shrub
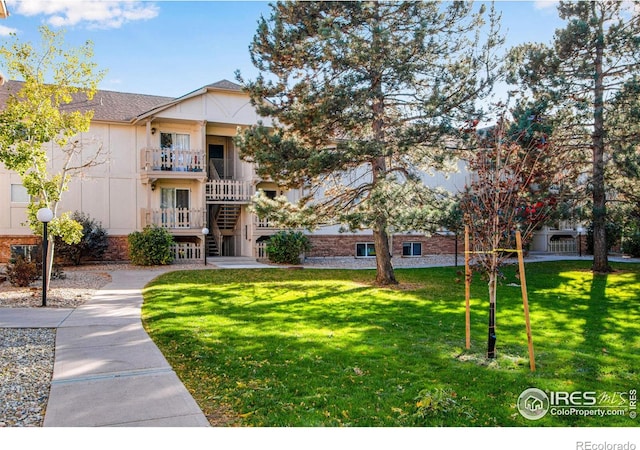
93, 244
150, 247
631, 244
433, 406
21, 272
614, 232
285, 247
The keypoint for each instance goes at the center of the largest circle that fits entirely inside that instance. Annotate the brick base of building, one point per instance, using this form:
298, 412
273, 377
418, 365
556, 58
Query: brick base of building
7, 241
118, 249
344, 245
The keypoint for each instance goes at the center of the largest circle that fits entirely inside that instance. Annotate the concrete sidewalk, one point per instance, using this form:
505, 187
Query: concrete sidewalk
107, 371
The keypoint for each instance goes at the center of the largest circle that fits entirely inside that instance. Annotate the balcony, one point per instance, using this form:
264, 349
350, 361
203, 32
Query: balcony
171, 163
265, 225
228, 191
180, 221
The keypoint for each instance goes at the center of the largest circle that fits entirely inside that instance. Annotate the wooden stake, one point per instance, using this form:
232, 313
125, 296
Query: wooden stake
525, 301
467, 287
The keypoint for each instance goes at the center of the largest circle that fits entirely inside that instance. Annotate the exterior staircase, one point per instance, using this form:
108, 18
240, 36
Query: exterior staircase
227, 217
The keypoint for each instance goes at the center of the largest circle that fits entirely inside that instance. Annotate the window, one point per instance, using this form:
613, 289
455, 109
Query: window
411, 249
28, 252
19, 194
174, 146
175, 204
365, 250
174, 141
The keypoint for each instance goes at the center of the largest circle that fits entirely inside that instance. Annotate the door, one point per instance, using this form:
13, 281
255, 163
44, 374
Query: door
174, 206
221, 161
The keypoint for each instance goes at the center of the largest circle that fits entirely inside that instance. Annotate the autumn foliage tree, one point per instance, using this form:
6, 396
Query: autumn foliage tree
513, 172
37, 127
362, 94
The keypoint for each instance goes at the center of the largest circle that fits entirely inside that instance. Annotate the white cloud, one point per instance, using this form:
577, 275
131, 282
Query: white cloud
90, 13
545, 4
6, 31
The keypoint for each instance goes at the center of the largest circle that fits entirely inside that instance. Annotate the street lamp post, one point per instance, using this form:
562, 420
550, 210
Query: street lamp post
205, 231
44, 215
580, 230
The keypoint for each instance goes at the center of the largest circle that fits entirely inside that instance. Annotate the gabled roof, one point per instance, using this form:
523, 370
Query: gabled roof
112, 106
222, 85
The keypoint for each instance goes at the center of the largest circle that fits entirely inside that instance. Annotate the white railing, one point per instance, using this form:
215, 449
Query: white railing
265, 224
176, 218
229, 191
167, 159
562, 246
261, 250
186, 251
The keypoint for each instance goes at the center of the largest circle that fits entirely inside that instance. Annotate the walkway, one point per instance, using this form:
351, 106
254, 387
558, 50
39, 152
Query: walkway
107, 371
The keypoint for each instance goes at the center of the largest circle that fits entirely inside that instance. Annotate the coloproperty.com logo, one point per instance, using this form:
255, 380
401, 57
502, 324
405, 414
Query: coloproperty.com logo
534, 404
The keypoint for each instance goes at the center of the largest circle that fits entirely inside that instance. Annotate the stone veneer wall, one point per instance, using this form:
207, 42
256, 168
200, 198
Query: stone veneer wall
118, 247
344, 245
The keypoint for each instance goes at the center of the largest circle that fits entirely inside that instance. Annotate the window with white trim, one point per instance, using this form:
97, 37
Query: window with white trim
365, 250
174, 141
19, 194
411, 249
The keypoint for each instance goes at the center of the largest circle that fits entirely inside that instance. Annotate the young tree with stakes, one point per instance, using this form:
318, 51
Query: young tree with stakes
362, 94
35, 121
512, 169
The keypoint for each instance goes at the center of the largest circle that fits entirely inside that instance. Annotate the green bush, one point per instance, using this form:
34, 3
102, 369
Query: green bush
631, 244
614, 232
93, 244
285, 247
21, 272
150, 247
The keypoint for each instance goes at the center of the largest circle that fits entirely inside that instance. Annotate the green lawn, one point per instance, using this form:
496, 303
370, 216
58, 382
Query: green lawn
280, 347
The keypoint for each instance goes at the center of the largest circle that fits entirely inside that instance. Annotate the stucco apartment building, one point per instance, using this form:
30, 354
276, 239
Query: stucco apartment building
172, 163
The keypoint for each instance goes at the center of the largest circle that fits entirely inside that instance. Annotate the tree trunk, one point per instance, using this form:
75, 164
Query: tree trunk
384, 268
600, 258
491, 340
49, 262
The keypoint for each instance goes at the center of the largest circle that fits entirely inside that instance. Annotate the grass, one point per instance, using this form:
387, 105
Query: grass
279, 347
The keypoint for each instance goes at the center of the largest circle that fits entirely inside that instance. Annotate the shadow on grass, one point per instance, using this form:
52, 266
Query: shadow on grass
310, 348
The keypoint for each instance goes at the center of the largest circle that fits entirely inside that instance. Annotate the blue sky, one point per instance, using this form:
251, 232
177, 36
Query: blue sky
171, 48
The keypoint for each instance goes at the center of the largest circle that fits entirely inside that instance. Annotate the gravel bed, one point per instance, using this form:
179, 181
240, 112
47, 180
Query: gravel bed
27, 354
26, 367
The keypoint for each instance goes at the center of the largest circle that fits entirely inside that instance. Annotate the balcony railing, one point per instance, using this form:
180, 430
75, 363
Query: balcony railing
186, 251
175, 218
265, 224
171, 160
562, 246
229, 191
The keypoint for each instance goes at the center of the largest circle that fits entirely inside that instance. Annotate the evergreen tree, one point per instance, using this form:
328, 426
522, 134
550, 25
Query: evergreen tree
362, 94
580, 73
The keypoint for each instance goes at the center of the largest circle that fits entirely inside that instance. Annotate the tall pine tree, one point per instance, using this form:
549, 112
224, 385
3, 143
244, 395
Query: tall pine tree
362, 94
587, 64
